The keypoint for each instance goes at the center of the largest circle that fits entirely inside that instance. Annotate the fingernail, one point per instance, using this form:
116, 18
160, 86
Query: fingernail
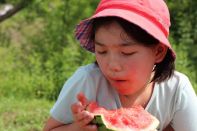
86, 113
94, 126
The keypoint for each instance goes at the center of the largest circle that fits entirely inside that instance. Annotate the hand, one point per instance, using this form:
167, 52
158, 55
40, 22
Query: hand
82, 118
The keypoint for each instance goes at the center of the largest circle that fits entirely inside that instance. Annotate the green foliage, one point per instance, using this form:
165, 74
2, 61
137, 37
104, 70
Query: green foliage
45, 53
184, 35
39, 53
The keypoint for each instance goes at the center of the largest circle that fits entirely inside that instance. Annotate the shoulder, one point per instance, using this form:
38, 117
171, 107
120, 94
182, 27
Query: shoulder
177, 81
183, 102
90, 70
177, 86
177, 91
172, 97
86, 79
178, 78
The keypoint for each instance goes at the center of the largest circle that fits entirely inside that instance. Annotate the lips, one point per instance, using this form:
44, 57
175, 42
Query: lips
117, 81
115, 78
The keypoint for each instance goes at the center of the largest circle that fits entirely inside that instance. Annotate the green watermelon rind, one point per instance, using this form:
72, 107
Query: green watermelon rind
103, 125
98, 120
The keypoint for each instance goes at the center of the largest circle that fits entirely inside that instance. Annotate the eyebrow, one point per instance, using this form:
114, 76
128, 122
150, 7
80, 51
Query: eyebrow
121, 44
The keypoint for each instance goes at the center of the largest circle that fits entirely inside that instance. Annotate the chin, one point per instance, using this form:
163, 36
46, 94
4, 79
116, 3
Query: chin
125, 92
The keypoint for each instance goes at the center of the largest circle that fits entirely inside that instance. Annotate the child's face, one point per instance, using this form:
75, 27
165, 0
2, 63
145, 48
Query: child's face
125, 63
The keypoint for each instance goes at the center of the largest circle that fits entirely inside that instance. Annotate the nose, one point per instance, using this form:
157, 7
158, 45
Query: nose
114, 63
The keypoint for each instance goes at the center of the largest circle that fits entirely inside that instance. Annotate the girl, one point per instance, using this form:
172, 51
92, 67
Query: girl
134, 66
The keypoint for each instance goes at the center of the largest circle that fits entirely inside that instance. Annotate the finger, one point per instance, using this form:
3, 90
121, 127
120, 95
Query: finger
76, 107
81, 97
80, 116
85, 118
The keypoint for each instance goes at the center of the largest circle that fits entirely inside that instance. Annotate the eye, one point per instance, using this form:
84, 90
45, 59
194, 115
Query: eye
128, 53
101, 52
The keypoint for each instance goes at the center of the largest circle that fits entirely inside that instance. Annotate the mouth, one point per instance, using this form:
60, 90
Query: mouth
118, 80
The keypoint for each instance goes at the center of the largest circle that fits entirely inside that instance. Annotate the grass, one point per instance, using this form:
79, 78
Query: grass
23, 114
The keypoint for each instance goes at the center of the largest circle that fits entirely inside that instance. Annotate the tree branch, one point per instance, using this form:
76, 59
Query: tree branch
10, 10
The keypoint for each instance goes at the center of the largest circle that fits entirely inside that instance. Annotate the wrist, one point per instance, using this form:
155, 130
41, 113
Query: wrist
75, 127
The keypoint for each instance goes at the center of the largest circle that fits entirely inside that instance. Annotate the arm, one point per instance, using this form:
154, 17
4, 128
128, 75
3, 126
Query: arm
54, 125
62, 113
82, 118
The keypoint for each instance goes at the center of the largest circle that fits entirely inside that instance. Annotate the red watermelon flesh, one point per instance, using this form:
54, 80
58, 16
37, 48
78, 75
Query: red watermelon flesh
123, 119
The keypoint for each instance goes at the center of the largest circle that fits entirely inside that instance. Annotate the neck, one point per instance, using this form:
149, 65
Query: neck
142, 97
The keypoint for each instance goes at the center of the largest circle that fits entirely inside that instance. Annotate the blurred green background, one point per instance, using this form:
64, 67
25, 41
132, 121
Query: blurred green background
38, 53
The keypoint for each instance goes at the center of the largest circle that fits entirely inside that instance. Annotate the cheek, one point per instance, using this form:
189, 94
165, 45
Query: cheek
101, 62
138, 70
131, 72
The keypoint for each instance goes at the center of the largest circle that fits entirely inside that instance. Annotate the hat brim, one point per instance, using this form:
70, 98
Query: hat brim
132, 17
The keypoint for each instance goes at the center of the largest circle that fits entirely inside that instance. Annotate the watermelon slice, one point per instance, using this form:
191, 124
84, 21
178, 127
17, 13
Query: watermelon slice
123, 119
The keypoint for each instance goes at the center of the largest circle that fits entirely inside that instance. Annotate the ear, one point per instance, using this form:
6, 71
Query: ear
160, 52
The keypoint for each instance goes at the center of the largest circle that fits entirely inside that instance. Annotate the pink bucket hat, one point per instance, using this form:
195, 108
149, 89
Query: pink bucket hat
151, 15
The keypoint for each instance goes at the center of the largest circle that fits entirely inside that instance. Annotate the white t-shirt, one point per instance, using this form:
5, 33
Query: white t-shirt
173, 101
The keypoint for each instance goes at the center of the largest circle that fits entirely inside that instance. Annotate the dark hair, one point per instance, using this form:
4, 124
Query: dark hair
164, 69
